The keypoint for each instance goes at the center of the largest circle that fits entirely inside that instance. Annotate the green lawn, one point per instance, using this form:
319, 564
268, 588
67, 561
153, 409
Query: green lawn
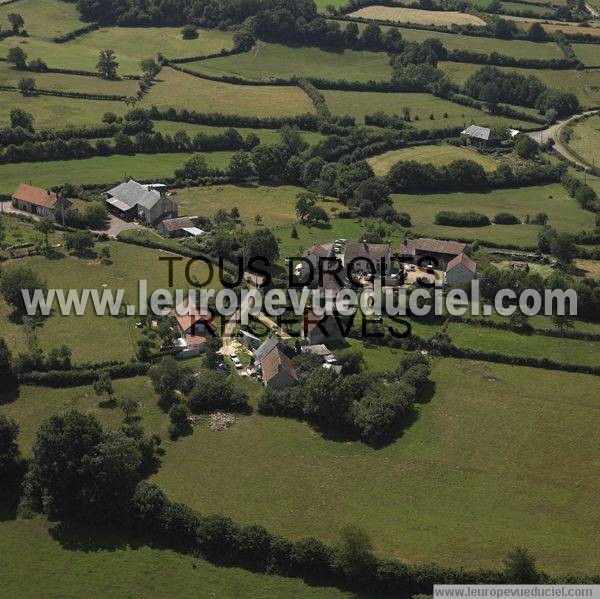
130, 45
486, 465
589, 54
267, 136
100, 169
265, 61
56, 113
43, 18
70, 83
585, 139
585, 84
275, 204
435, 154
40, 558
179, 90
359, 104
414, 15
485, 45
564, 213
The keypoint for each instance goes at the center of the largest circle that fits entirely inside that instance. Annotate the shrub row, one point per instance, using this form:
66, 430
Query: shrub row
316, 98
71, 35
76, 377
461, 219
174, 61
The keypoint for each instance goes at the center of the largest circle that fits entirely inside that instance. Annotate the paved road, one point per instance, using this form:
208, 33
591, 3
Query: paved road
553, 132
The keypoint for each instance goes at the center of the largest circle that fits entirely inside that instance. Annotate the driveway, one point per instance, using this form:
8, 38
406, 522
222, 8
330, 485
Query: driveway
553, 132
116, 226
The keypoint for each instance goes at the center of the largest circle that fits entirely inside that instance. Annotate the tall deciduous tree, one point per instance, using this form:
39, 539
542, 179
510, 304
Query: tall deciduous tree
107, 64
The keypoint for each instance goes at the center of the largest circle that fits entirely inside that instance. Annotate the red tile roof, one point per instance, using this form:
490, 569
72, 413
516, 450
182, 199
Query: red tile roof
35, 196
188, 318
275, 361
464, 260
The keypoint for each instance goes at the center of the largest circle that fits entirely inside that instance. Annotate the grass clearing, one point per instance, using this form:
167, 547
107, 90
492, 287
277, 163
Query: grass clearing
100, 169
45, 19
589, 54
414, 15
565, 215
130, 45
585, 139
436, 154
359, 104
486, 463
585, 84
175, 89
267, 61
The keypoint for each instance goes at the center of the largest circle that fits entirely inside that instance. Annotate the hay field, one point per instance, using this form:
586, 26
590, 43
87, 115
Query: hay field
414, 15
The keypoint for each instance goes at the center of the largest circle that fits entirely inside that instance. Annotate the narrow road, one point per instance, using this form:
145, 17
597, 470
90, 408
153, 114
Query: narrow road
592, 10
553, 132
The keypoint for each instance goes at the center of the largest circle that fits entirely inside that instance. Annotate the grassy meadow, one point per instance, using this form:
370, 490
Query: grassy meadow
359, 104
131, 45
450, 489
175, 89
100, 169
437, 154
589, 54
585, 84
585, 139
266, 61
414, 15
564, 214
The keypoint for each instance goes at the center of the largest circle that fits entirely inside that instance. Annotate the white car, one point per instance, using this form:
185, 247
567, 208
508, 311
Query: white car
236, 361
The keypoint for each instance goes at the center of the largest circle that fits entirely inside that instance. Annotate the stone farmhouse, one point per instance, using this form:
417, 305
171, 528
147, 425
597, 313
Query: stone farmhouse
40, 202
147, 203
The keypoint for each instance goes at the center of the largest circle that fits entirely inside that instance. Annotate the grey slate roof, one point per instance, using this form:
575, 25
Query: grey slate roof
175, 224
133, 194
268, 344
479, 132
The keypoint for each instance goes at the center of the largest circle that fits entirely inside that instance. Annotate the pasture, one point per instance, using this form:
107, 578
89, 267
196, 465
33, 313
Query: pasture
515, 6
483, 45
421, 106
100, 169
486, 456
69, 561
130, 45
564, 214
267, 61
585, 139
414, 15
436, 154
45, 19
589, 54
175, 89
52, 112
585, 84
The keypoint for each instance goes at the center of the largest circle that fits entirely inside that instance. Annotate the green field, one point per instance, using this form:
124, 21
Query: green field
45, 19
436, 154
129, 44
585, 84
56, 113
275, 204
359, 104
589, 54
69, 83
486, 464
585, 139
75, 562
564, 213
100, 169
485, 45
414, 15
179, 90
266, 61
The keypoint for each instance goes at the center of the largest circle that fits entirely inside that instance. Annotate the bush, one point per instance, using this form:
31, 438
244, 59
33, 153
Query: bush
214, 390
461, 219
506, 218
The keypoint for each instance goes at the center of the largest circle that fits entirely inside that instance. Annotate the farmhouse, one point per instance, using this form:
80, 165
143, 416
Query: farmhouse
194, 325
37, 201
308, 268
184, 226
479, 136
317, 330
460, 270
147, 203
277, 369
370, 258
440, 250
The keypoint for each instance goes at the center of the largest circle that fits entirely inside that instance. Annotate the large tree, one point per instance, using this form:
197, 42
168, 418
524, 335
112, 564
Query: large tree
15, 280
17, 57
107, 64
16, 22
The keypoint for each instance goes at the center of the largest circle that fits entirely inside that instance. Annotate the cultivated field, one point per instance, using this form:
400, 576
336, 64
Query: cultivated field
589, 54
359, 104
100, 169
585, 84
564, 213
54, 112
130, 46
413, 15
436, 154
484, 45
495, 482
179, 90
585, 139
266, 61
